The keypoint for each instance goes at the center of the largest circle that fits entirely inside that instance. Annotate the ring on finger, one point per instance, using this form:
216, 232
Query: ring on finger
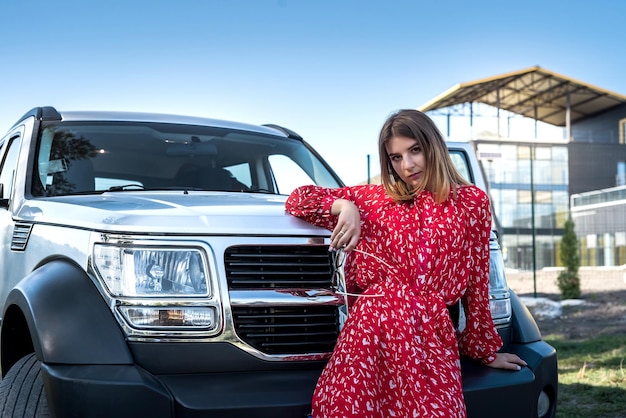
341, 233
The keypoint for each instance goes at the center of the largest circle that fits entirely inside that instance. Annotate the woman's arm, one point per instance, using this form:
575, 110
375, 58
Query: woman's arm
333, 209
348, 229
480, 338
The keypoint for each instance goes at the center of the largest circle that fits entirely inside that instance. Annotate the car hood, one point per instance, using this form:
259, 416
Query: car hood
171, 212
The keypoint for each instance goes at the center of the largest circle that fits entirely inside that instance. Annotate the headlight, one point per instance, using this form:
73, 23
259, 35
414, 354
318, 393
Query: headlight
152, 271
500, 309
497, 278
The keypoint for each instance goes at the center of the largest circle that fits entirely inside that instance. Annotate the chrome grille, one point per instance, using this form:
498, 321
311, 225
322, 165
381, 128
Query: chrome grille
288, 329
280, 266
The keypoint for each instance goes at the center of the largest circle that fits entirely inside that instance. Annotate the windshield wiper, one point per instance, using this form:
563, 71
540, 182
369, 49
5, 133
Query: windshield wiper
123, 187
265, 191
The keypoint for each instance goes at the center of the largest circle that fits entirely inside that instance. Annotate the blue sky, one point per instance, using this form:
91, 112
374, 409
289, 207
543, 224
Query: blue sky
329, 70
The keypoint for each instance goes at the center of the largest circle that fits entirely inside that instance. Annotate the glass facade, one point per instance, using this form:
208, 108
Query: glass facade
606, 250
600, 223
529, 193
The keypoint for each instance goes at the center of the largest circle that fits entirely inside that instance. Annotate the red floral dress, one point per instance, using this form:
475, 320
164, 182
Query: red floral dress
398, 353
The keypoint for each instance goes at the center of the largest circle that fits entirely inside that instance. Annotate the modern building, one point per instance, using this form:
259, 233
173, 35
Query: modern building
532, 179
529, 193
600, 218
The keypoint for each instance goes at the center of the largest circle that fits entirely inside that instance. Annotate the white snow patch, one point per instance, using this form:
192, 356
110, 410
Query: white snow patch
547, 308
573, 302
542, 307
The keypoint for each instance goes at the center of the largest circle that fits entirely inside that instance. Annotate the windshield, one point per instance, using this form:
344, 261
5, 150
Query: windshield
79, 158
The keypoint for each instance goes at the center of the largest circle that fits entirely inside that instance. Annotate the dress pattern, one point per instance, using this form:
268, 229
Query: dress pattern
398, 353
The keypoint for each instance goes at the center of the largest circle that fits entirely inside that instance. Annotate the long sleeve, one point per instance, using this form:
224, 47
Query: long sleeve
479, 339
313, 204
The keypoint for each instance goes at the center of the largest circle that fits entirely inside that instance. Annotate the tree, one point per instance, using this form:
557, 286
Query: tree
568, 280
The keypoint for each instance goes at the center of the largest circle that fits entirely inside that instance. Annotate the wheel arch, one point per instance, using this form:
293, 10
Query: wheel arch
16, 338
57, 312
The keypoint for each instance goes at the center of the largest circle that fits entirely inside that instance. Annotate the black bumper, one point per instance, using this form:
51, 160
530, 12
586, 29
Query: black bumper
189, 382
183, 380
493, 393
126, 391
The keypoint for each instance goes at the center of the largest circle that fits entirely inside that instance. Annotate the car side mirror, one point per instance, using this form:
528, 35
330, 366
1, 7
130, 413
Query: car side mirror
4, 203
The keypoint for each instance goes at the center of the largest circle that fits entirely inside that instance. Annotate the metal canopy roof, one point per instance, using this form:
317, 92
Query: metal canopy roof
535, 93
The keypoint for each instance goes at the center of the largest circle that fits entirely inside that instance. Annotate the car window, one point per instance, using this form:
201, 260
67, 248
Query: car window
241, 172
9, 164
288, 174
75, 158
461, 163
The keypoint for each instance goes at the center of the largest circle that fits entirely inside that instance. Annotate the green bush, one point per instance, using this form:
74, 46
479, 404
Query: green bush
568, 280
569, 284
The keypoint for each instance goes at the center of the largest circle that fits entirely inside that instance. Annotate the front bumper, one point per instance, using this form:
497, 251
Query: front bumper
495, 393
126, 391
183, 380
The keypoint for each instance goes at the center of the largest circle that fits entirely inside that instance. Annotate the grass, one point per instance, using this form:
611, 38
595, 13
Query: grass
592, 376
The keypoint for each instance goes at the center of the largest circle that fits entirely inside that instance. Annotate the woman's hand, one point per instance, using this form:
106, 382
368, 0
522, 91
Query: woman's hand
507, 361
348, 230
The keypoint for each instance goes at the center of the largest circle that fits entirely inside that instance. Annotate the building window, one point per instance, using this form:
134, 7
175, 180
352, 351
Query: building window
543, 153
524, 196
622, 131
620, 239
543, 197
620, 178
523, 152
592, 241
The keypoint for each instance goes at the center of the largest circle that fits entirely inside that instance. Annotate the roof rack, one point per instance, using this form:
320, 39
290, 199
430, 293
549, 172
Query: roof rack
40, 113
291, 134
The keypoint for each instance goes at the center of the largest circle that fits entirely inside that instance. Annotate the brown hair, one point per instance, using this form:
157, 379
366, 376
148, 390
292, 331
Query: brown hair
440, 174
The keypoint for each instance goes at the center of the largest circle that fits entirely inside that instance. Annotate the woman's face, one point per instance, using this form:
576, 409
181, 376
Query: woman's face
407, 159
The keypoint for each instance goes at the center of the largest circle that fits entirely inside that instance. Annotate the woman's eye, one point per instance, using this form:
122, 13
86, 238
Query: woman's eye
416, 150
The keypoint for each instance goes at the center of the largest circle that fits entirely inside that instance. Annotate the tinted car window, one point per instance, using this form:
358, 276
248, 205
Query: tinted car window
9, 164
94, 157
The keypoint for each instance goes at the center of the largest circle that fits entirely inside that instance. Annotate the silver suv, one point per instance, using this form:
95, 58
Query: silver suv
149, 269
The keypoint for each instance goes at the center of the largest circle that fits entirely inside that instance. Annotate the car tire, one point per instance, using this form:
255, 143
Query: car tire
21, 391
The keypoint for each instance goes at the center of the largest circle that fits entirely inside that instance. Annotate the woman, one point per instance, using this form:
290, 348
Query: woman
421, 242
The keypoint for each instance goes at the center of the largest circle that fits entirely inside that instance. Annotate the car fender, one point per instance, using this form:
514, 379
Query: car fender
525, 329
67, 319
